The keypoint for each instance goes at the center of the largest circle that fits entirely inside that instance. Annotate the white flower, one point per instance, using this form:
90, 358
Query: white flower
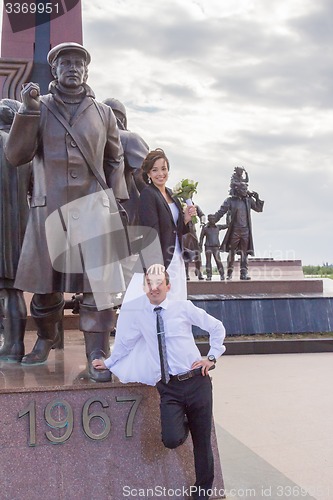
184, 190
177, 188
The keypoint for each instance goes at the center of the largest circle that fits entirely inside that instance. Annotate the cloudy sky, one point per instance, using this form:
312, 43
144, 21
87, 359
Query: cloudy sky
225, 83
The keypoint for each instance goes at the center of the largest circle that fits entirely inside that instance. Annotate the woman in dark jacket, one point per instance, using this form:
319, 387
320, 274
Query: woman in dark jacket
159, 209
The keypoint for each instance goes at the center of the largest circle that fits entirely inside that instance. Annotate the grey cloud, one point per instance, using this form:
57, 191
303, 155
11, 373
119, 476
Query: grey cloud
144, 109
283, 140
171, 37
289, 81
246, 62
180, 91
316, 26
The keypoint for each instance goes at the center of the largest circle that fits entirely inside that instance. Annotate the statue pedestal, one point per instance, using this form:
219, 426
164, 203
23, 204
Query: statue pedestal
278, 299
65, 437
268, 276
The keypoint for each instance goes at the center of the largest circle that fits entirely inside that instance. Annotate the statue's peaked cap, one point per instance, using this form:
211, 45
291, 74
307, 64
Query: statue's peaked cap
66, 47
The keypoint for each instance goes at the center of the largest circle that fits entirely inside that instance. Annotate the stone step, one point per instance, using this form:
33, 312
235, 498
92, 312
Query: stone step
239, 287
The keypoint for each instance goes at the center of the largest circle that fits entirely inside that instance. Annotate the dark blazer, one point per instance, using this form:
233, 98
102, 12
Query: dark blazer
154, 212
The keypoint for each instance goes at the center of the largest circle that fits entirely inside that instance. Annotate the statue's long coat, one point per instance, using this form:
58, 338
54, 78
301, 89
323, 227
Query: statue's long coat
14, 208
61, 176
231, 205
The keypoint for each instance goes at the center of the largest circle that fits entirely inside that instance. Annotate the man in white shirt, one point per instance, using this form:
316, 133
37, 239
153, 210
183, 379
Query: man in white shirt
186, 390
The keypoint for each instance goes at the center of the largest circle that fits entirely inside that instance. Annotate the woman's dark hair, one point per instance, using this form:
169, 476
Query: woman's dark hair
149, 161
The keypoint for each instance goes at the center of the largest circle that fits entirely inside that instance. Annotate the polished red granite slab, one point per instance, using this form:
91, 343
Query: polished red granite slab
64, 437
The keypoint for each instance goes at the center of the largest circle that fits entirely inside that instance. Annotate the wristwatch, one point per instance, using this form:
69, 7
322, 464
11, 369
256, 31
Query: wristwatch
212, 358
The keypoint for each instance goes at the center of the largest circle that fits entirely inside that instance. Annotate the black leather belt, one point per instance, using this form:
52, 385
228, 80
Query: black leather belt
186, 375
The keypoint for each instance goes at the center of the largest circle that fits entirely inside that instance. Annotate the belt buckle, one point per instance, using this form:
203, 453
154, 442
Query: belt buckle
184, 376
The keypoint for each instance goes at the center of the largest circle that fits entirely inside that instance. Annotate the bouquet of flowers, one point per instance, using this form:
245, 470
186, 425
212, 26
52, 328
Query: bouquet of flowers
184, 191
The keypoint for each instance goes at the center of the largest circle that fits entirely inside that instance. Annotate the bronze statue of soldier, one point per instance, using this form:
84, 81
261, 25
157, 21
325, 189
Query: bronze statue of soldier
135, 151
238, 238
14, 208
73, 142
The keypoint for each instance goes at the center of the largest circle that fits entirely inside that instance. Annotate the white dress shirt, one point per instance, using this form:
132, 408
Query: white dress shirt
135, 356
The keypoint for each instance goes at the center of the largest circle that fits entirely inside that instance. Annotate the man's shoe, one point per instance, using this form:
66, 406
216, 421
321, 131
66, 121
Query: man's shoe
197, 497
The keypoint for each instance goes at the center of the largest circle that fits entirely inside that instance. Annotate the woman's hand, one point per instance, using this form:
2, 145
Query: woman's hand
189, 212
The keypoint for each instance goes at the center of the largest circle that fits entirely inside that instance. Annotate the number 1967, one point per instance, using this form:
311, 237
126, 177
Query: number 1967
67, 422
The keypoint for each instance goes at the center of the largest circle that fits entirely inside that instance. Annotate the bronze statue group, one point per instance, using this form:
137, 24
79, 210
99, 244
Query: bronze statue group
69, 166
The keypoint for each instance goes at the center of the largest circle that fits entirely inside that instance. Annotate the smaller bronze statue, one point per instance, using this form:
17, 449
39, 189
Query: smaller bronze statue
210, 234
192, 252
14, 208
238, 206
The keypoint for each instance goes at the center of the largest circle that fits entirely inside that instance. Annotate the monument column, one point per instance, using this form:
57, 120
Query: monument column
29, 31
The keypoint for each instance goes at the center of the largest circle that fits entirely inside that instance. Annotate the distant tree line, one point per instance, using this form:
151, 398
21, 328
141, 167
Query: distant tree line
325, 270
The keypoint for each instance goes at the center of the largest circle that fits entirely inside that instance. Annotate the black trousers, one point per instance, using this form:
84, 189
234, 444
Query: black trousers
193, 398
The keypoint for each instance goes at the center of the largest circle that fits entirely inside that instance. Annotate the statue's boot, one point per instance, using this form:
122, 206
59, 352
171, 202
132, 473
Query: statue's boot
49, 322
97, 347
96, 326
198, 272
12, 349
244, 275
229, 274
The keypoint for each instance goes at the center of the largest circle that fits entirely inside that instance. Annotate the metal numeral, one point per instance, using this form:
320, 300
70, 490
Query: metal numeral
130, 419
59, 416
101, 415
63, 421
31, 410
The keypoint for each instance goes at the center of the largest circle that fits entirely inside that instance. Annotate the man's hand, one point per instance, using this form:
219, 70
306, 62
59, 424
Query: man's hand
99, 364
30, 98
204, 364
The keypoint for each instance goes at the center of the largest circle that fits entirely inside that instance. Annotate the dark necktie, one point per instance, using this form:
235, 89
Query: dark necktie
165, 377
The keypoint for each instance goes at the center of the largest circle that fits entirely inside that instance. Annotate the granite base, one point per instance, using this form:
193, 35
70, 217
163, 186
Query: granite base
64, 437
